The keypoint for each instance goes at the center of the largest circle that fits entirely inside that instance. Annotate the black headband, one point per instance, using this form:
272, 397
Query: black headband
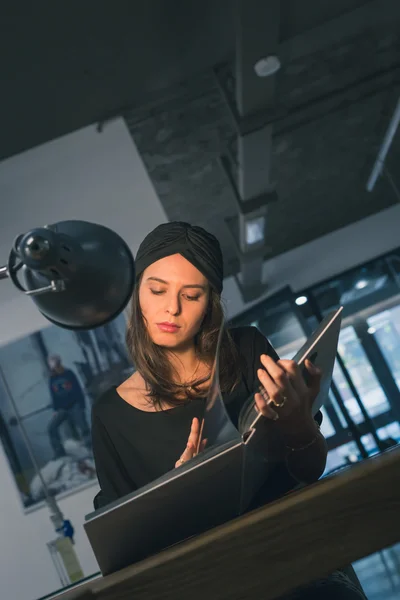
198, 246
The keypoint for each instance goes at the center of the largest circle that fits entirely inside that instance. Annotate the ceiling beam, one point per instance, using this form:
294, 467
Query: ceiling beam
254, 163
373, 14
257, 36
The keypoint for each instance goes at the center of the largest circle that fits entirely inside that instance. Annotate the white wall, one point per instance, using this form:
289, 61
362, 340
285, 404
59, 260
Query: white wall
325, 257
85, 175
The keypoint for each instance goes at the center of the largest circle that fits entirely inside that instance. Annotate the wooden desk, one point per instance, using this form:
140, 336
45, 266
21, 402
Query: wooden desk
279, 547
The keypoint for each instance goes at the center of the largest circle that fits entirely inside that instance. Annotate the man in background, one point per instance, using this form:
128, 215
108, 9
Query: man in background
68, 402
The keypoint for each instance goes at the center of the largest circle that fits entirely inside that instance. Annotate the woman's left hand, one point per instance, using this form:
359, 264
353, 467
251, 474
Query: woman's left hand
285, 395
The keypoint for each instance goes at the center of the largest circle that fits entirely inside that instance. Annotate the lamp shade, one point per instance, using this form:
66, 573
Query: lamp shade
89, 267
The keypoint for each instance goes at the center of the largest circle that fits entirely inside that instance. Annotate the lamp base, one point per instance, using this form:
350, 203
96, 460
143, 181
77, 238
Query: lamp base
65, 560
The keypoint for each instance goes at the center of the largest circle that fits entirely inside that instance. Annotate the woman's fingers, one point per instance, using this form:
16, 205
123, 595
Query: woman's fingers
264, 408
294, 375
186, 455
194, 433
315, 375
284, 389
287, 375
276, 371
269, 385
203, 445
192, 445
275, 381
278, 379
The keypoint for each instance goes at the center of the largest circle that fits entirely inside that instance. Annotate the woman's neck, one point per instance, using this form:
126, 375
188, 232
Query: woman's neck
185, 362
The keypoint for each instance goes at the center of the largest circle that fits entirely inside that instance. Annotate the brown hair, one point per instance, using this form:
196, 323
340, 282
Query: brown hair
151, 361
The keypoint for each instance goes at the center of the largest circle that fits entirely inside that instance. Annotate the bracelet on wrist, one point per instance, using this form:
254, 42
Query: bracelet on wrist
305, 446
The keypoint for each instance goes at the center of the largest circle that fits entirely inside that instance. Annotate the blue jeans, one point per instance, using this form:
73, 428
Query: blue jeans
76, 416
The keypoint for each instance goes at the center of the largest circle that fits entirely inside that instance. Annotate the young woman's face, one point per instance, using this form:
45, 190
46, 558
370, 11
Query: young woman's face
173, 297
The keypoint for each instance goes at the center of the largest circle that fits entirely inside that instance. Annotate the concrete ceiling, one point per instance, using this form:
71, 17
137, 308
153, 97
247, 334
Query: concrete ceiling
153, 63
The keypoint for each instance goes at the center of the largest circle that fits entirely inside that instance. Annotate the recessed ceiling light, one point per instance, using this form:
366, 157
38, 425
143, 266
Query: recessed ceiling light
361, 284
301, 300
267, 66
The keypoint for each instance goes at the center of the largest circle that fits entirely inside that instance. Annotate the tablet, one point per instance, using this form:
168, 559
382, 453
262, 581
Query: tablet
321, 349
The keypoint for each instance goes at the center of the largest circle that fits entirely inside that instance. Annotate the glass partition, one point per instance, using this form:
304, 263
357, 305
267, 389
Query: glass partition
385, 327
363, 376
369, 348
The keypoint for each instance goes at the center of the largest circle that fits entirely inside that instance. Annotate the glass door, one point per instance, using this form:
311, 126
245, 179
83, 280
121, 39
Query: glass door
363, 376
369, 346
364, 399
385, 328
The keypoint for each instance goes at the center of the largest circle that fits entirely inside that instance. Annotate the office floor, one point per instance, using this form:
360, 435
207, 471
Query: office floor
380, 574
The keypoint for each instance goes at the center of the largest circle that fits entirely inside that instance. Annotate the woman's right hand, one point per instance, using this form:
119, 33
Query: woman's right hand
192, 445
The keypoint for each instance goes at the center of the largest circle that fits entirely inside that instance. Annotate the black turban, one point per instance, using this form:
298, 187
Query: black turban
198, 246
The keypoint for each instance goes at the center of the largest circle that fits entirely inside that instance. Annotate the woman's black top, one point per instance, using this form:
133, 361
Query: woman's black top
132, 447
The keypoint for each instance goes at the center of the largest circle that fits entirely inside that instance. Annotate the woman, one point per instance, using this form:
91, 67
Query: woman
150, 423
